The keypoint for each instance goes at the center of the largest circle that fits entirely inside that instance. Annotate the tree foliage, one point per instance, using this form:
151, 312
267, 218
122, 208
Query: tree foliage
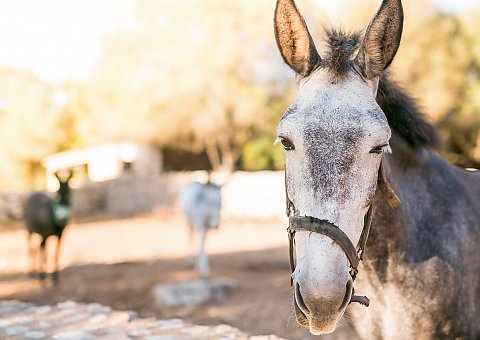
439, 64
29, 123
206, 77
191, 73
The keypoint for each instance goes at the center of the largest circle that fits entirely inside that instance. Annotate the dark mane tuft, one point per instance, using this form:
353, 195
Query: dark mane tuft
340, 48
404, 116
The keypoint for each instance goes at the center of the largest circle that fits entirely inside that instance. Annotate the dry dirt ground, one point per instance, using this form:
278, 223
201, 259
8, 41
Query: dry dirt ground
116, 263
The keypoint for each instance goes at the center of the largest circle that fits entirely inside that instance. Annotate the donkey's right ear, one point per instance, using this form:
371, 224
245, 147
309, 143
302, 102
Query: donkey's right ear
293, 39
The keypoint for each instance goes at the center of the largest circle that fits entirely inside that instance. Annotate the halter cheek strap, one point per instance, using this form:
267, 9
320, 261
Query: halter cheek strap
324, 227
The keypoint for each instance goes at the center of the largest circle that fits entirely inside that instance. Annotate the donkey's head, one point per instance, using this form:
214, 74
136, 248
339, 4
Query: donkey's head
334, 134
64, 188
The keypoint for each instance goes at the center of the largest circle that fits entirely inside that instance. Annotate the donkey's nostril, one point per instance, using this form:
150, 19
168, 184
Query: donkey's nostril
348, 294
300, 303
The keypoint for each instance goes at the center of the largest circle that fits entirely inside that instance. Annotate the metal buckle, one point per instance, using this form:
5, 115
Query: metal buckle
353, 272
360, 253
291, 209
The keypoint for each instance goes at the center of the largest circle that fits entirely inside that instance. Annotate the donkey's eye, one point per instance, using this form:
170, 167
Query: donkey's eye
287, 144
384, 148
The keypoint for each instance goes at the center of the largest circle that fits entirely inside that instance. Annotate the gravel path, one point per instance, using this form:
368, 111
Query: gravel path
70, 320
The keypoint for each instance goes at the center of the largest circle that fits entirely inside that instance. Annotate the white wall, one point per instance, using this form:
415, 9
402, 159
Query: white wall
255, 194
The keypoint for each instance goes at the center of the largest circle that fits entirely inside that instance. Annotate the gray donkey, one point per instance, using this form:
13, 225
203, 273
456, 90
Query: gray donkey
360, 154
47, 217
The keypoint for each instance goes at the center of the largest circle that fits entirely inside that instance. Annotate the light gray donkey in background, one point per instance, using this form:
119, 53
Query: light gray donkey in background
201, 204
358, 154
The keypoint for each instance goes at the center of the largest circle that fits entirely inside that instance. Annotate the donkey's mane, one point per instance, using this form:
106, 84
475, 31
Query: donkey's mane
403, 114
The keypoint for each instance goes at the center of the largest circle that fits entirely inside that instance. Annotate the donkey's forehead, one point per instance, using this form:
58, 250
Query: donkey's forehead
349, 102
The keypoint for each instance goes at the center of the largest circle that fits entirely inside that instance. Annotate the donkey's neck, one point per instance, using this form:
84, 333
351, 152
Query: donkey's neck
425, 183
398, 235
388, 258
418, 255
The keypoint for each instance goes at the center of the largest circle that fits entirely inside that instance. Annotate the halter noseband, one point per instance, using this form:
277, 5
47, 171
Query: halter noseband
324, 227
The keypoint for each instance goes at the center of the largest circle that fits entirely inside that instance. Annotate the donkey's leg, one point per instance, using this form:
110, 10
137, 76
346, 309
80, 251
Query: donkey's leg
32, 256
203, 266
42, 267
56, 258
191, 245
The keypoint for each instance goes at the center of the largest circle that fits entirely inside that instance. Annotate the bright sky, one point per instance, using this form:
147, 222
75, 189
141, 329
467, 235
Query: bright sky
57, 39
60, 39
457, 5
454, 6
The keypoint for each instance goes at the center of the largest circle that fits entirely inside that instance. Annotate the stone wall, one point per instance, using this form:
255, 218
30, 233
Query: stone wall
259, 195
70, 320
11, 205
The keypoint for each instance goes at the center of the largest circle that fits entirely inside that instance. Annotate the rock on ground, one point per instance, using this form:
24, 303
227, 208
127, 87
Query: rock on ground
191, 293
75, 321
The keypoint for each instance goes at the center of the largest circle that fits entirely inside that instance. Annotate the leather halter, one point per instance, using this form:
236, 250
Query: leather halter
324, 227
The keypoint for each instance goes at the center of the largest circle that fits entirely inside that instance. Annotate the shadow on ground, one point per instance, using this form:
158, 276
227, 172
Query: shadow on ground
260, 304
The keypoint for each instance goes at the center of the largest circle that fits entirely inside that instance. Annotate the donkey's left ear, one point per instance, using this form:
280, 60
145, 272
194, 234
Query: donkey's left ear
381, 40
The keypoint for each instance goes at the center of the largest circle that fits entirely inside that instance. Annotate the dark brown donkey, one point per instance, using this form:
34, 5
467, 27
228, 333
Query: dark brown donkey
360, 154
47, 217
